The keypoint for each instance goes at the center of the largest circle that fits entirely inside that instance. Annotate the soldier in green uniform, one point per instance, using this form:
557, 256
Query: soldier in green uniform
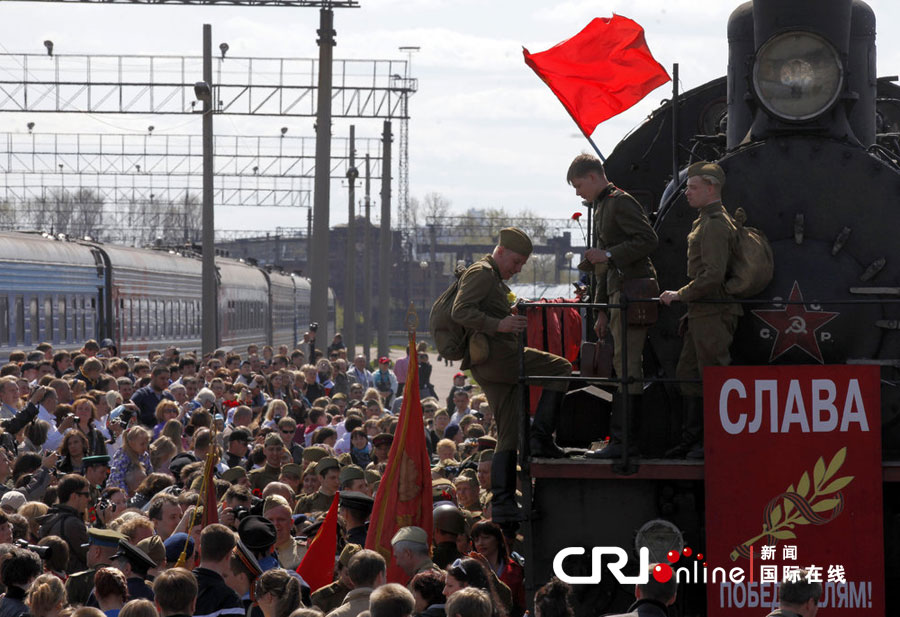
331, 596
96, 470
273, 448
102, 545
449, 525
623, 241
710, 327
329, 470
354, 510
410, 547
483, 306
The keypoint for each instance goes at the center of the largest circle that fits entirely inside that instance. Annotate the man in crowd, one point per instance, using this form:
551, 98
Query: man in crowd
214, 597
367, 571
148, 397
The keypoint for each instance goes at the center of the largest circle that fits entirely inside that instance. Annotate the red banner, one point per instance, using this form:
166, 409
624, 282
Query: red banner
793, 477
404, 495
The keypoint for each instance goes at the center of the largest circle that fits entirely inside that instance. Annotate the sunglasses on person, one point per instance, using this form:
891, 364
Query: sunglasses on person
459, 564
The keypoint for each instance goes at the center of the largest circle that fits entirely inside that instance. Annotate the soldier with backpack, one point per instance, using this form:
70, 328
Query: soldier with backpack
710, 327
483, 308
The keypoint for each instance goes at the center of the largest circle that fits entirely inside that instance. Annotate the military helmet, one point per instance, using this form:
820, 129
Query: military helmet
449, 519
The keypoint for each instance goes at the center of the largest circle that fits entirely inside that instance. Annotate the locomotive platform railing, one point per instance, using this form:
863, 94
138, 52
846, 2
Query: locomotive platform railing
625, 463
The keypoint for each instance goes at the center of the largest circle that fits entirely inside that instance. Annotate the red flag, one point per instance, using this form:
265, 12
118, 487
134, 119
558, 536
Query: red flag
317, 565
209, 500
600, 72
404, 495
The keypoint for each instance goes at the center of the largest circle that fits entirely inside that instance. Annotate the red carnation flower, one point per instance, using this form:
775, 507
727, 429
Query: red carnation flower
257, 492
576, 216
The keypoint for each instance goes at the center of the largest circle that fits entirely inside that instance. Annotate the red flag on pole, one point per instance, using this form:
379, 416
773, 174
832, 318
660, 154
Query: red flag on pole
404, 495
601, 71
317, 565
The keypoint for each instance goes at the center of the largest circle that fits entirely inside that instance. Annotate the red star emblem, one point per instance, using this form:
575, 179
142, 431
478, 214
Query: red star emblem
795, 326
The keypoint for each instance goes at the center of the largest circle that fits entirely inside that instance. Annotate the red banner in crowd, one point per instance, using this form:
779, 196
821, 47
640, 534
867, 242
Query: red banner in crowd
601, 71
404, 494
317, 565
801, 447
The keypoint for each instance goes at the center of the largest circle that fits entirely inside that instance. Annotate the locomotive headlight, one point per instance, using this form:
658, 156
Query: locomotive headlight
797, 75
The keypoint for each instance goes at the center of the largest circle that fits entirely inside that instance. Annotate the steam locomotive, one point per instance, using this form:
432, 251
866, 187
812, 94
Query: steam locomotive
66, 291
809, 138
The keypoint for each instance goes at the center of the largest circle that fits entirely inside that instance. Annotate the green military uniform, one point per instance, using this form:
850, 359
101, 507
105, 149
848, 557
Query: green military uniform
482, 301
317, 502
710, 326
259, 478
330, 596
622, 229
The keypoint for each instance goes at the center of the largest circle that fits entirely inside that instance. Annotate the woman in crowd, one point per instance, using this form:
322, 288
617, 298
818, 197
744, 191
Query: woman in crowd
46, 596
428, 590
111, 591
277, 593
165, 411
133, 454
468, 572
490, 543
87, 414
72, 450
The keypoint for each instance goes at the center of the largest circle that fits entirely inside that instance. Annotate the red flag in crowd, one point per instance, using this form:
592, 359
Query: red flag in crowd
210, 502
404, 494
317, 566
601, 71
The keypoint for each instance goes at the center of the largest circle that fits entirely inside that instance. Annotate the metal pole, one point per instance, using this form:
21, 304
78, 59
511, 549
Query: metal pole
432, 294
384, 240
318, 257
367, 268
210, 329
675, 123
350, 278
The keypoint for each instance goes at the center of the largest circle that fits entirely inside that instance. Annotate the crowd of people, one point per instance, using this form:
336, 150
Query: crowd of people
102, 467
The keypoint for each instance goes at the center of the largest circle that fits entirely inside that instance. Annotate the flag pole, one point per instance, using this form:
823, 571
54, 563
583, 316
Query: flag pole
596, 149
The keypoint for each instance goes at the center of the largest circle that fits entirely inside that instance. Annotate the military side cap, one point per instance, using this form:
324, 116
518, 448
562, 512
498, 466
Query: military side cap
256, 532
97, 459
345, 459
234, 474
382, 439
410, 534
372, 477
441, 486
516, 240
154, 548
326, 463
246, 556
352, 472
468, 472
347, 554
138, 559
292, 469
357, 501
705, 168
174, 545
310, 468
314, 454
485, 456
104, 537
340, 396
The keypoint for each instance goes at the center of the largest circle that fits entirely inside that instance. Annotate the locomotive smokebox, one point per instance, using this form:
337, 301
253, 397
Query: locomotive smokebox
799, 77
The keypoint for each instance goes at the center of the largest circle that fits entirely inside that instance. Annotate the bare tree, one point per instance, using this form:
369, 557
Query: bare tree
435, 207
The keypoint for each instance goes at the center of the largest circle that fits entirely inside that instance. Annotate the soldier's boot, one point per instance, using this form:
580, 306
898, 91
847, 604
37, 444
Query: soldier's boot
542, 444
615, 448
504, 509
692, 430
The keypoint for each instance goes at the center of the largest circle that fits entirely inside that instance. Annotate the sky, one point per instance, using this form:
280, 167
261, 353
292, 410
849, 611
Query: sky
485, 132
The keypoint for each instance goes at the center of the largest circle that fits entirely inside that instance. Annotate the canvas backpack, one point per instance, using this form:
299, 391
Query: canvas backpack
449, 337
752, 264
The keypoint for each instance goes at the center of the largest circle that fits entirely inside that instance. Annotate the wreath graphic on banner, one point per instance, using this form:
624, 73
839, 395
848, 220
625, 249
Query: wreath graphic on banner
811, 503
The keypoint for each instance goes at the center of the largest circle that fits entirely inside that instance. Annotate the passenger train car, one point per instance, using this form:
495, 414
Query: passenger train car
66, 292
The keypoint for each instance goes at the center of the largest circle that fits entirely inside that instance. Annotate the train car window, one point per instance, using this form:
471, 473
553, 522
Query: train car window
82, 310
48, 319
34, 325
4, 321
61, 318
20, 320
92, 321
154, 318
